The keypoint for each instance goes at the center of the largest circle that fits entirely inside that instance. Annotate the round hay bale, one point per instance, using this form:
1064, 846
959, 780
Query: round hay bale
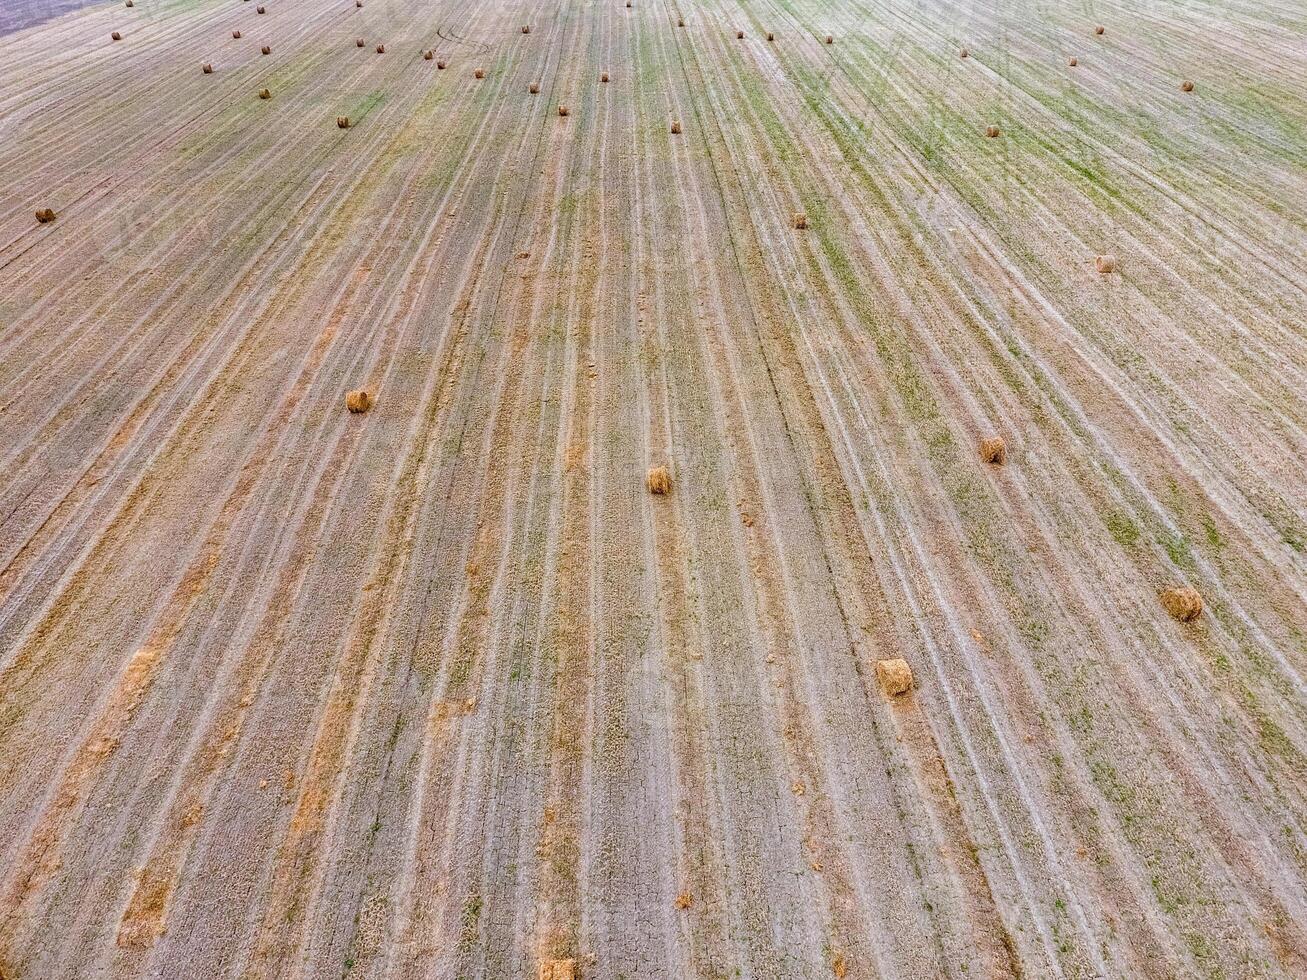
264, 93
603, 77
658, 480
562, 110
116, 36
358, 401
1182, 602
1072, 61
479, 73
45, 215
771, 36
428, 55
359, 42
440, 65
526, 28
628, 4
676, 127
993, 450
381, 49
830, 39
342, 122
266, 50
260, 10
130, 3
991, 132
739, 35
534, 88
236, 34
207, 68
1186, 86
800, 220
680, 22
358, 4
1105, 263
1099, 29
557, 970
894, 676
964, 53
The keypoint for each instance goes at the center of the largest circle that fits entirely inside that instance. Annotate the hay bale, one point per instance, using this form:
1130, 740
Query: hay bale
1186, 86
266, 49
428, 55
381, 49
260, 10
359, 401
264, 93
991, 132
479, 73
1099, 29
658, 480
359, 42
206, 68
676, 126
526, 28
739, 35
562, 110
440, 65
993, 450
684, 900
964, 53
45, 215
358, 3
628, 4
557, 970
534, 88
1072, 61
830, 39
771, 36
130, 3
116, 36
680, 22
342, 122
1105, 263
603, 77
236, 34
894, 676
1182, 602
800, 220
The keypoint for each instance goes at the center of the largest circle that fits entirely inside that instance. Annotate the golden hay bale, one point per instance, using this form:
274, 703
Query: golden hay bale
440, 65
562, 110
800, 220
993, 450
739, 35
526, 28
1182, 602
206, 68
381, 49
771, 36
991, 132
359, 42
236, 34
479, 73
830, 39
266, 50
1186, 86
264, 93
684, 900
260, 10
894, 676
45, 215
964, 53
342, 122
428, 55
557, 970
358, 401
116, 36
1105, 263
533, 88
603, 77
676, 126
358, 3
680, 22
1099, 29
1072, 61
658, 480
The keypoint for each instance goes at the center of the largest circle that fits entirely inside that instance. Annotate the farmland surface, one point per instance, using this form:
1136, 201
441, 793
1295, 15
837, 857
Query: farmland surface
441, 690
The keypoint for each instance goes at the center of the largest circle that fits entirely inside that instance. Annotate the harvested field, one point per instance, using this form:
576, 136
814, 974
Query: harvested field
447, 689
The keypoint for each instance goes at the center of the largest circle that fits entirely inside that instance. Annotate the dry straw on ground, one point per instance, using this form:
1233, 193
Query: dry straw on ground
894, 676
45, 215
1183, 602
562, 110
557, 970
1105, 263
658, 480
800, 220
342, 122
358, 401
993, 450
206, 68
